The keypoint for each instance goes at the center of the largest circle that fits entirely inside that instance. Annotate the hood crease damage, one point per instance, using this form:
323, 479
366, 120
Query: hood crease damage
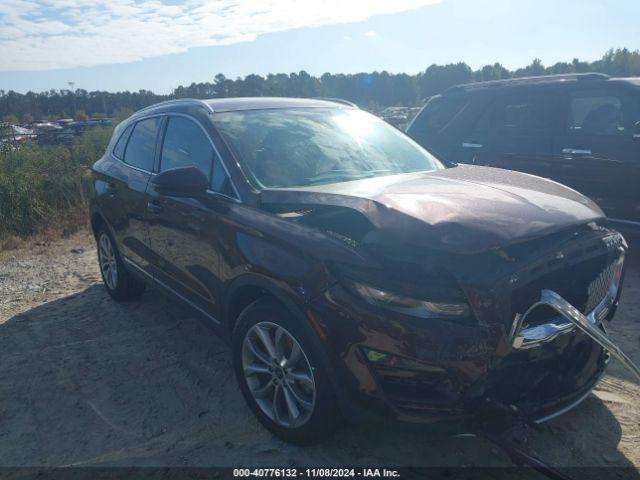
462, 210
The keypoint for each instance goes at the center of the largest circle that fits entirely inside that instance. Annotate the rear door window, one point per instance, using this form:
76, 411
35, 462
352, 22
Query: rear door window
520, 122
140, 149
523, 113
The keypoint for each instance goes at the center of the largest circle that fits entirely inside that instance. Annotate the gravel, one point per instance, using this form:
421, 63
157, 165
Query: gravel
88, 381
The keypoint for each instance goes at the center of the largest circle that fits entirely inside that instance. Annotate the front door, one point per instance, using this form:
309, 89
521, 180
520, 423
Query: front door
598, 148
184, 232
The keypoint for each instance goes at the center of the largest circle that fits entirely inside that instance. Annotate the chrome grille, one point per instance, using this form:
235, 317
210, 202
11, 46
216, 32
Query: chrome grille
600, 286
569, 281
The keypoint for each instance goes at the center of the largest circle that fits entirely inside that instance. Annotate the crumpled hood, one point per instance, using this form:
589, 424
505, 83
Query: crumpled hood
465, 209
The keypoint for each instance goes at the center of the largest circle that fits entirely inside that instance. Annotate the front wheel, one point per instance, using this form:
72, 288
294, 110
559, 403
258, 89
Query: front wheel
281, 376
120, 284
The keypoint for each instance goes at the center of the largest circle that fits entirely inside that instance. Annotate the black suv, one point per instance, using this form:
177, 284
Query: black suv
350, 270
581, 130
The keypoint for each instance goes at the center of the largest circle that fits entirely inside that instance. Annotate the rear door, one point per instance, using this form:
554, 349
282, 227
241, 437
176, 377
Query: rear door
185, 232
598, 149
127, 189
515, 131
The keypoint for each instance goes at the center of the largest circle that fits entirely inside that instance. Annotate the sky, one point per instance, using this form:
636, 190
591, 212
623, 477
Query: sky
159, 44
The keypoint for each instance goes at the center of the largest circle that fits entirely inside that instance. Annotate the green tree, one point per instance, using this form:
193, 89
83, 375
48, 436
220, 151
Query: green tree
376, 89
536, 68
438, 78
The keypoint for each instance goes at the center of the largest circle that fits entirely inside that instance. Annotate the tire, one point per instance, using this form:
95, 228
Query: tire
121, 285
308, 387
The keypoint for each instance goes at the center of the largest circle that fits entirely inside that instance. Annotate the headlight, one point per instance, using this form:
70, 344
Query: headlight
407, 305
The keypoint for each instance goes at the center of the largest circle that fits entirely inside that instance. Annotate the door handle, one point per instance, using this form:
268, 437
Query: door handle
576, 151
471, 145
154, 207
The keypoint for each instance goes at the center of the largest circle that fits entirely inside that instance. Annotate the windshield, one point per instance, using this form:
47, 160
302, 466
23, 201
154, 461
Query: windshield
302, 147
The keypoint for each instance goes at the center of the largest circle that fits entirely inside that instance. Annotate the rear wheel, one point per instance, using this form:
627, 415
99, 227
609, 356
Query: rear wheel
120, 284
281, 375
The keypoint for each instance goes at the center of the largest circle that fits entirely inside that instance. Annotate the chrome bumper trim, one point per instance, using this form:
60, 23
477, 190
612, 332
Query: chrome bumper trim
574, 404
568, 311
532, 336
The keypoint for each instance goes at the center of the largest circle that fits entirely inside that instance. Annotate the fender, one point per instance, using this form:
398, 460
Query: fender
281, 292
95, 210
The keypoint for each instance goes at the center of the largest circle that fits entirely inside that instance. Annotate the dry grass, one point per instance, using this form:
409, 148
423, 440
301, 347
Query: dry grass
59, 225
45, 190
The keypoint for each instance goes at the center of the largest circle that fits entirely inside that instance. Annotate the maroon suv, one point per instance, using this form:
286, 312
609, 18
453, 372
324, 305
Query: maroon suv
350, 270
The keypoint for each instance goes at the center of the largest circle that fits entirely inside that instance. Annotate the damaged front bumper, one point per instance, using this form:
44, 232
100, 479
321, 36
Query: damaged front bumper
524, 336
587, 326
534, 358
503, 425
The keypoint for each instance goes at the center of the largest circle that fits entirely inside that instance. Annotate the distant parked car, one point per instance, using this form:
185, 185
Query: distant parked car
351, 272
581, 130
399, 117
45, 127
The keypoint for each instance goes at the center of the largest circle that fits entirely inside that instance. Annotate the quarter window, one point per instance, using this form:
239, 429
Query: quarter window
118, 150
220, 182
141, 146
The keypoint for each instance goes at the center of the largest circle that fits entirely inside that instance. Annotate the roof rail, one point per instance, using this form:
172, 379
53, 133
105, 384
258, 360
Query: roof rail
534, 80
177, 101
337, 100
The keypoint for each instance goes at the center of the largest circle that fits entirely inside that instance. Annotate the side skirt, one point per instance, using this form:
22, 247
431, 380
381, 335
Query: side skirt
151, 279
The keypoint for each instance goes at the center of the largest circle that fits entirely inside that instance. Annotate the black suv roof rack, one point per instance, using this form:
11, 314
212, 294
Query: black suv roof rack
538, 80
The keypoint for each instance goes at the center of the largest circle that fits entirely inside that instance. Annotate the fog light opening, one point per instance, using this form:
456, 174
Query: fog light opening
383, 359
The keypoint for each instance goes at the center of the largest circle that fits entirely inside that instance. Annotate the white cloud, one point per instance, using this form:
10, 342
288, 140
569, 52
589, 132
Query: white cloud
51, 34
371, 33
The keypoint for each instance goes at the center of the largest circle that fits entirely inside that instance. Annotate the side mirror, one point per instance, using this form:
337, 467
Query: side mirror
636, 131
181, 182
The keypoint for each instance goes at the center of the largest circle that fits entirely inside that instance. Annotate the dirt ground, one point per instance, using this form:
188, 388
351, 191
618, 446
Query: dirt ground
87, 381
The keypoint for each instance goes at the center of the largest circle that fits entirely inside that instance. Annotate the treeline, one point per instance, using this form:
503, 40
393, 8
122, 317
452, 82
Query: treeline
370, 90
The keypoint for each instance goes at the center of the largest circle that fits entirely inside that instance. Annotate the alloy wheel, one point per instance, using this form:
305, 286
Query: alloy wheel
278, 374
